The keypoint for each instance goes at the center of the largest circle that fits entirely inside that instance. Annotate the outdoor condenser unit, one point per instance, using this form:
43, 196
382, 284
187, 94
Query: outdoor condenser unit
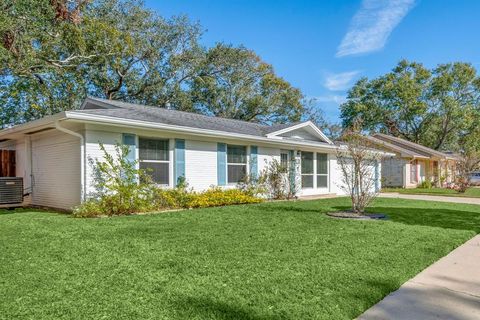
11, 190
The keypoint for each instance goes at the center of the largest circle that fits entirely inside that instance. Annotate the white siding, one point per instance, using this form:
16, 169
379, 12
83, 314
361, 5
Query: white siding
336, 176
393, 170
301, 134
201, 157
93, 151
200, 164
56, 170
266, 155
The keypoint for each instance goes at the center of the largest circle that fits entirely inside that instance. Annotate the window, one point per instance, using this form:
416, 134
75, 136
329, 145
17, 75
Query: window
154, 159
322, 170
307, 169
236, 163
413, 171
284, 159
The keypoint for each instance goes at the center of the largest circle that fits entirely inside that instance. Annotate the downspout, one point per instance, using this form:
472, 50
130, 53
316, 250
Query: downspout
82, 156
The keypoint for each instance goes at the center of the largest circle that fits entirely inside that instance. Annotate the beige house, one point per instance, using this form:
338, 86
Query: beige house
413, 163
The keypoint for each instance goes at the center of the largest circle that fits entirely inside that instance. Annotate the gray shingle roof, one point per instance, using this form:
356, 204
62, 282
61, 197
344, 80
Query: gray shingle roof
414, 147
118, 109
395, 148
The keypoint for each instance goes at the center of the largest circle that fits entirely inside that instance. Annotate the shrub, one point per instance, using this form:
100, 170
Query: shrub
119, 187
215, 197
253, 185
178, 197
277, 181
426, 184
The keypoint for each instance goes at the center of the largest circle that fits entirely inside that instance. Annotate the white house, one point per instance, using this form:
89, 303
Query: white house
52, 153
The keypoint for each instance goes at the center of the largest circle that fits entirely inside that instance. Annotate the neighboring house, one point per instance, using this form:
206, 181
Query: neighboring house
413, 163
52, 154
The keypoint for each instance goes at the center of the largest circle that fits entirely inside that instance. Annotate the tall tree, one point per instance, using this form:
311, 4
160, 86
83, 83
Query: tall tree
235, 83
53, 53
433, 107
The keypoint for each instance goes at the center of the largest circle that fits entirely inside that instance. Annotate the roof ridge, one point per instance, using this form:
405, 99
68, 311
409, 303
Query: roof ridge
392, 146
416, 145
135, 105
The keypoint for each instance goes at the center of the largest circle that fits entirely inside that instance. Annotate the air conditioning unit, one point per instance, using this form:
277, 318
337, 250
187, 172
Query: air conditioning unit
11, 190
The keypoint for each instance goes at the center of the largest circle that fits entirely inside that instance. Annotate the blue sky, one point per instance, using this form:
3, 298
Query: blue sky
322, 47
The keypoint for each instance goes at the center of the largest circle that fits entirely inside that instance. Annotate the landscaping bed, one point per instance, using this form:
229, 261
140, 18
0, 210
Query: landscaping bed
281, 260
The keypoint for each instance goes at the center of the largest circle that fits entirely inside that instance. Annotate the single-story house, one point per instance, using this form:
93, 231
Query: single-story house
413, 163
52, 154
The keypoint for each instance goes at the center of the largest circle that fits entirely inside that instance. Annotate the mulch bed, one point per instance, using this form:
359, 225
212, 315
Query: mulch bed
352, 215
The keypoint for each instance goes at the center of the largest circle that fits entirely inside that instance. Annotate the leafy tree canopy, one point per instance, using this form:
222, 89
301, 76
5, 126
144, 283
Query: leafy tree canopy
438, 107
53, 53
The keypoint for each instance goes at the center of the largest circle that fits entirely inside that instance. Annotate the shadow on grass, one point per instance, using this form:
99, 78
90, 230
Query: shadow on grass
438, 217
206, 308
288, 208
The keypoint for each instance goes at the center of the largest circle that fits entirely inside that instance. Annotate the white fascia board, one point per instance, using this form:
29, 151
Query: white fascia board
48, 120
309, 124
123, 122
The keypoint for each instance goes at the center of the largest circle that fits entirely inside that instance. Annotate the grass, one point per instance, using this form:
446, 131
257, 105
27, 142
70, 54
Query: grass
471, 192
284, 260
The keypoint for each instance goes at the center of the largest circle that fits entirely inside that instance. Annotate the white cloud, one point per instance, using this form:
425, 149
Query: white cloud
340, 81
333, 98
372, 24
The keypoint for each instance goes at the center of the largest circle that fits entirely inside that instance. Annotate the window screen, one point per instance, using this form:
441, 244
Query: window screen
236, 163
154, 159
322, 170
307, 169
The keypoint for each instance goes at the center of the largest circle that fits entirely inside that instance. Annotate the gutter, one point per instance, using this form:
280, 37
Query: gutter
82, 156
72, 115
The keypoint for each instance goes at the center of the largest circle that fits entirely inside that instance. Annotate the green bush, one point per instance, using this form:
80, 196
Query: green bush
120, 188
215, 197
426, 184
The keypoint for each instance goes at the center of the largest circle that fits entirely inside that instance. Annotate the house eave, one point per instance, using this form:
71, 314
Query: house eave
123, 122
31, 126
299, 126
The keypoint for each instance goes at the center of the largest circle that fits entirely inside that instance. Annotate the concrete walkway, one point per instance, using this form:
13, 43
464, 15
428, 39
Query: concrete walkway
448, 289
430, 198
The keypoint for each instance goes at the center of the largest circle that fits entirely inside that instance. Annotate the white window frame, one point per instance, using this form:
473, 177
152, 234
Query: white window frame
287, 153
313, 174
247, 157
157, 161
321, 174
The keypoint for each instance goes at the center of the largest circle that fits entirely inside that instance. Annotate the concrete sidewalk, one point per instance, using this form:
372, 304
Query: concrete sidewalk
448, 289
430, 198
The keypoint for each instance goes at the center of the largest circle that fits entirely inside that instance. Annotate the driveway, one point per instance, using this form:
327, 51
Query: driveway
448, 289
430, 198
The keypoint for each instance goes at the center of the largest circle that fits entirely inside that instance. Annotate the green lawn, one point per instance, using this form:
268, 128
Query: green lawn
283, 260
471, 192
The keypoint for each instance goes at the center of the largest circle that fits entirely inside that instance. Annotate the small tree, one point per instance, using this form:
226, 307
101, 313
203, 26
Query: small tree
467, 164
276, 181
357, 160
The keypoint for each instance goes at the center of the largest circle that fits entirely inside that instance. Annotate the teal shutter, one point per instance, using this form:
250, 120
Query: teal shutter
254, 162
221, 164
179, 160
129, 140
292, 171
377, 176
